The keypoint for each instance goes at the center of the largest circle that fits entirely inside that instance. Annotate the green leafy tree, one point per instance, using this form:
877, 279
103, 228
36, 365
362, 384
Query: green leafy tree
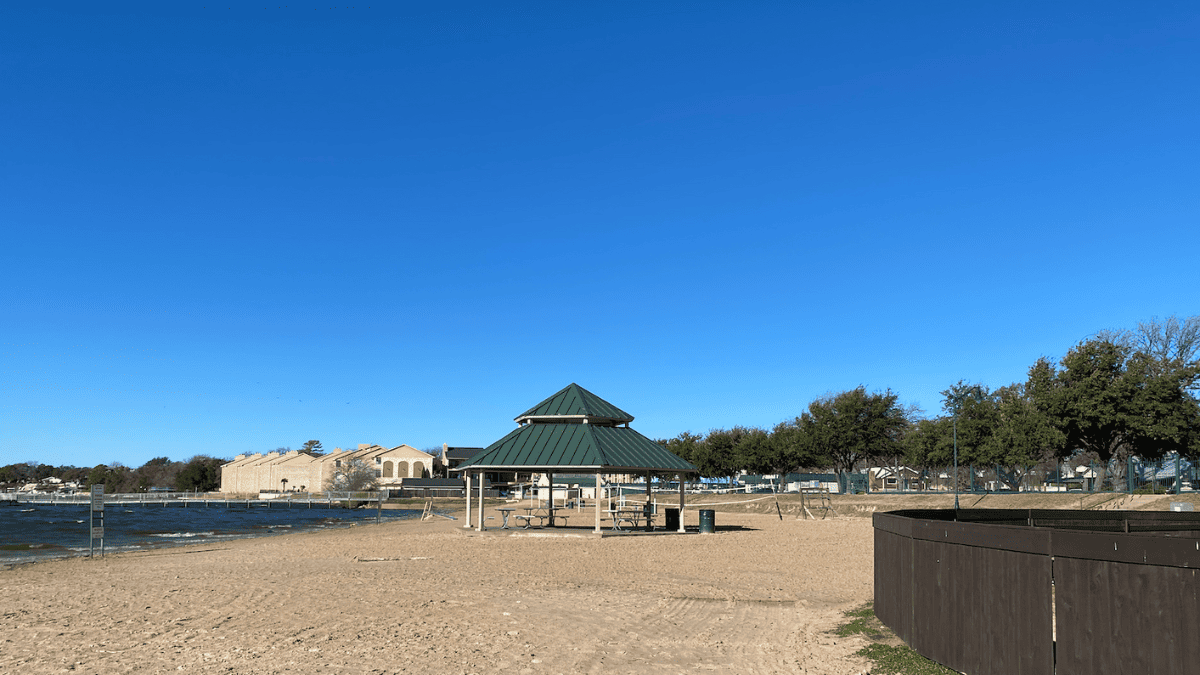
719, 456
201, 473
1095, 400
686, 446
1165, 417
974, 415
97, 476
1021, 438
791, 449
158, 472
757, 454
313, 448
10, 474
854, 426
927, 444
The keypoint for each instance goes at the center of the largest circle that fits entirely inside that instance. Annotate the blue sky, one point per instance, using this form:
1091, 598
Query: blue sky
232, 228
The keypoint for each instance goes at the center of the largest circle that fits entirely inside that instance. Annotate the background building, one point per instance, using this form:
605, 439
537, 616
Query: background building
299, 472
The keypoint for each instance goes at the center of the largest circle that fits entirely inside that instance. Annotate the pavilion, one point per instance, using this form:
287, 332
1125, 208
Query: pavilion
574, 431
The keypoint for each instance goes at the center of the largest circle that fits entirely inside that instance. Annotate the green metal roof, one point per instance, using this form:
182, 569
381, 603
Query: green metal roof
575, 401
575, 447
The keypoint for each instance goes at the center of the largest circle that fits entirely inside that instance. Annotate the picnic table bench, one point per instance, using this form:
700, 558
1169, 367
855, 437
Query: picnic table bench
632, 516
541, 518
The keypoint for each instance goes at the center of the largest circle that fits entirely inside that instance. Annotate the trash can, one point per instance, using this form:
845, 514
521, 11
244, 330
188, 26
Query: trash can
672, 524
708, 521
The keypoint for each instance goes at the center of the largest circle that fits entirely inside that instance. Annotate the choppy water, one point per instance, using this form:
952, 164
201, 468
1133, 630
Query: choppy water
31, 532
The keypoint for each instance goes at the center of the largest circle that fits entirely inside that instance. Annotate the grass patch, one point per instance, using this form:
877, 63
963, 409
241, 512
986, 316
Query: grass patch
891, 660
886, 651
861, 623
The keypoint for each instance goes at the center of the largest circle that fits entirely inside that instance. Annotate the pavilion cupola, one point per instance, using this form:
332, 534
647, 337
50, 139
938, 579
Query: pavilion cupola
575, 405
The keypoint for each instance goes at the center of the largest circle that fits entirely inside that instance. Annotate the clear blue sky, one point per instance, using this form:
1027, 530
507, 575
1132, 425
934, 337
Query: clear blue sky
231, 228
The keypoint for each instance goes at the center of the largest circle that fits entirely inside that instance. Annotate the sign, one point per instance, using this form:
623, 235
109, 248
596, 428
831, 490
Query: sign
1183, 506
97, 530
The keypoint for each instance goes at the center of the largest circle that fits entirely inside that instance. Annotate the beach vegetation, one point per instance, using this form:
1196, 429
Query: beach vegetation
889, 655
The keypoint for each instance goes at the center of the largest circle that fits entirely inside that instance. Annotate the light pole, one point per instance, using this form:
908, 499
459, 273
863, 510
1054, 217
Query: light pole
955, 396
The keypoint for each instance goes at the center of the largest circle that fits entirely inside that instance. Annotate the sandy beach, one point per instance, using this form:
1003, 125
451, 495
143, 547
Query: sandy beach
759, 596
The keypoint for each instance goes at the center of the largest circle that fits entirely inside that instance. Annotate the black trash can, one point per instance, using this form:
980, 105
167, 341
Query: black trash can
708, 521
672, 524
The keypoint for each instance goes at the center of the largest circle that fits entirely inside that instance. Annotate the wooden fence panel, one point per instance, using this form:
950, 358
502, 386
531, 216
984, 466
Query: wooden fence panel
1116, 617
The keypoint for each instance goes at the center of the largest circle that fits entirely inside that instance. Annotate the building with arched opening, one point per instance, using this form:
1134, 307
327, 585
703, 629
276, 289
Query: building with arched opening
295, 471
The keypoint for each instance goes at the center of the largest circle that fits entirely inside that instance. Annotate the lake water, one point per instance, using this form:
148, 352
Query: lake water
31, 532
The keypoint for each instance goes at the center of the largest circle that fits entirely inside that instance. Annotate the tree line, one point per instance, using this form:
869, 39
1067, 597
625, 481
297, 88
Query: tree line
201, 473
1114, 395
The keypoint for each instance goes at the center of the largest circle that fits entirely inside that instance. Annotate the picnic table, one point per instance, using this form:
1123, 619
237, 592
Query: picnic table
504, 513
532, 512
631, 515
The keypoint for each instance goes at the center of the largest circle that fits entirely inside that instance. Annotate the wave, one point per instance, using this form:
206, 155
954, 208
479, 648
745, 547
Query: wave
183, 535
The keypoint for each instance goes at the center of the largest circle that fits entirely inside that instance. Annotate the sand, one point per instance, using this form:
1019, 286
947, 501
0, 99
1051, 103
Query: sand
760, 596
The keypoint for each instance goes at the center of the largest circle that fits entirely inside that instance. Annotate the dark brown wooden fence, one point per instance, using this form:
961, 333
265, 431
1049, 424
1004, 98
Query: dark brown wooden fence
1032, 592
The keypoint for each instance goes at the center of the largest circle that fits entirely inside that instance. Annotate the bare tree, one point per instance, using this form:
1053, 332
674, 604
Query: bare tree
352, 475
1171, 344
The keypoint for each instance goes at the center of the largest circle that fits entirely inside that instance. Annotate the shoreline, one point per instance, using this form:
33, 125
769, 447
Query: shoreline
53, 532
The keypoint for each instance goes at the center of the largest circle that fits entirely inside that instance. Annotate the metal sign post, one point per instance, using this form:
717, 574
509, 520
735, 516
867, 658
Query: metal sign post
97, 531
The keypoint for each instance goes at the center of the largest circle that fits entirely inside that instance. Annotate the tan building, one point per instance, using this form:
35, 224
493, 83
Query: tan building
297, 472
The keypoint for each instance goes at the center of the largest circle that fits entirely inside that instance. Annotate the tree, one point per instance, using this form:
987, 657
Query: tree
1170, 344
97, 476
928, 443
437, 469
793, 453
974, 416
718, 456
685, 446
1022, 436
201, 473
1094, 400
352, 475
1165, 417
160, 471
312, 448
757, 454
853, 426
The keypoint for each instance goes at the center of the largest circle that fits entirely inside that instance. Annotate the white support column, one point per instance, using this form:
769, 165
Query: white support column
550, 502
480, 479
467, 494
599, 501
681, 503
649, 496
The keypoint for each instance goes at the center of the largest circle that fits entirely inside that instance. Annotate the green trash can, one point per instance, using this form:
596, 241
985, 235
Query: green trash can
672, 524
708, 521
